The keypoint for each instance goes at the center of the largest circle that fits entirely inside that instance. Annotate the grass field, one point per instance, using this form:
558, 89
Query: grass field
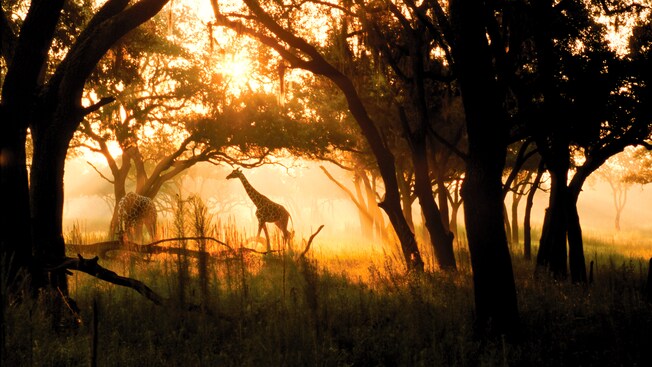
339, 308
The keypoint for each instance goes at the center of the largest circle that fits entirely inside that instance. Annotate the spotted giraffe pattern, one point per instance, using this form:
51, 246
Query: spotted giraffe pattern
134, 212
267, 211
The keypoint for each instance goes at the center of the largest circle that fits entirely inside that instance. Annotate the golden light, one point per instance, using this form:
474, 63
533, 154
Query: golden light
235, 70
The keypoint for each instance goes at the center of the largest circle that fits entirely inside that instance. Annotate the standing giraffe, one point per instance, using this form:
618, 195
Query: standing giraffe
266, 210
134, 212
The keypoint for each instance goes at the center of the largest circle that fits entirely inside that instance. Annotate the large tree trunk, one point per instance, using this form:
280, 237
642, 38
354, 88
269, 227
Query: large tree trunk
15, 229
495, 291
25, 65
46, 189
493, 279
552, 245
562, 221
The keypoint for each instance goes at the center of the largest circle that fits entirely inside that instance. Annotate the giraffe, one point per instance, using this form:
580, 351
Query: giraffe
134, 211
266, 210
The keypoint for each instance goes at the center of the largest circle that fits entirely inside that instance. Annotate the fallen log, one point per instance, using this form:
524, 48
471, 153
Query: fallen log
153, 248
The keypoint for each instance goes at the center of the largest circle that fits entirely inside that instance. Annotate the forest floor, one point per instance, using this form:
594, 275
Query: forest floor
345, 310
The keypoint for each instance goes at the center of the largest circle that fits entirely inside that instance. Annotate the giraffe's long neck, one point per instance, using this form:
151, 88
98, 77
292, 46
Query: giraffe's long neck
254, 195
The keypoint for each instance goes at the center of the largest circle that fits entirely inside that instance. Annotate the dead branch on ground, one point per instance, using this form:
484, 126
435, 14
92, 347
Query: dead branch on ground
93, 268
102, 248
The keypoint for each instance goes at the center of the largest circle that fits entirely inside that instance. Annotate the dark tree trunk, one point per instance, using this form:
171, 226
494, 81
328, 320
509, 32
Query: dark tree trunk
562, 225
577, 261
507, 224
516, 199
527, 230
440, 237
46, 191
386, 165
495, 291
15, 229
552, 246
405, 190
19, 87
493, 279
442, 201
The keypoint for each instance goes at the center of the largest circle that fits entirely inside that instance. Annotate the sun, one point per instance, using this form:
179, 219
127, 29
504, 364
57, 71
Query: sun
235, 69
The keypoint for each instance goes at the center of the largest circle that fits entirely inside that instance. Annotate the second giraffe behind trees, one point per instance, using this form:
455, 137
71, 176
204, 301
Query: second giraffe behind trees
267, 211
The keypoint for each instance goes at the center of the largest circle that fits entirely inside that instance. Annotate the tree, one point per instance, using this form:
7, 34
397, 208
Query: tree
493, 279
420, 93
299, 53
160, 85
580, 105
48, 101
621, 171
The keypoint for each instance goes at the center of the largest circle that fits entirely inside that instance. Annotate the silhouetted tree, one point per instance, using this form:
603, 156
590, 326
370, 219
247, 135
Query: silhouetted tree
486, 126
579, 105
47, 98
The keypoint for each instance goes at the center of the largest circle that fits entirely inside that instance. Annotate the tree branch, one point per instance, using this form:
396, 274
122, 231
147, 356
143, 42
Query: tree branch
92, 267
96, 106
100, 173
312, 237
360, 207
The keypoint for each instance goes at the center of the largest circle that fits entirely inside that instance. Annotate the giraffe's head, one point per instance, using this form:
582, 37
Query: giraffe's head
235, 174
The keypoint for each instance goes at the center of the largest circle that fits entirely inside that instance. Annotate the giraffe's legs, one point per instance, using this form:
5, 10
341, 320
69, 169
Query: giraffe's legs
282, 224
263, 227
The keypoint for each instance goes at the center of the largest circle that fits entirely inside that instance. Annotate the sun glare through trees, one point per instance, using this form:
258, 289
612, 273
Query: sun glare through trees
325, 182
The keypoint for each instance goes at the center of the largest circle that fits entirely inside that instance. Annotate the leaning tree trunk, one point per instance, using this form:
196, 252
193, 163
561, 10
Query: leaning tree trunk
386, 165
440, 238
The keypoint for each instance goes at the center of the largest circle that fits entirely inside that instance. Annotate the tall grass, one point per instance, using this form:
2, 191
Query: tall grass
278, 310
